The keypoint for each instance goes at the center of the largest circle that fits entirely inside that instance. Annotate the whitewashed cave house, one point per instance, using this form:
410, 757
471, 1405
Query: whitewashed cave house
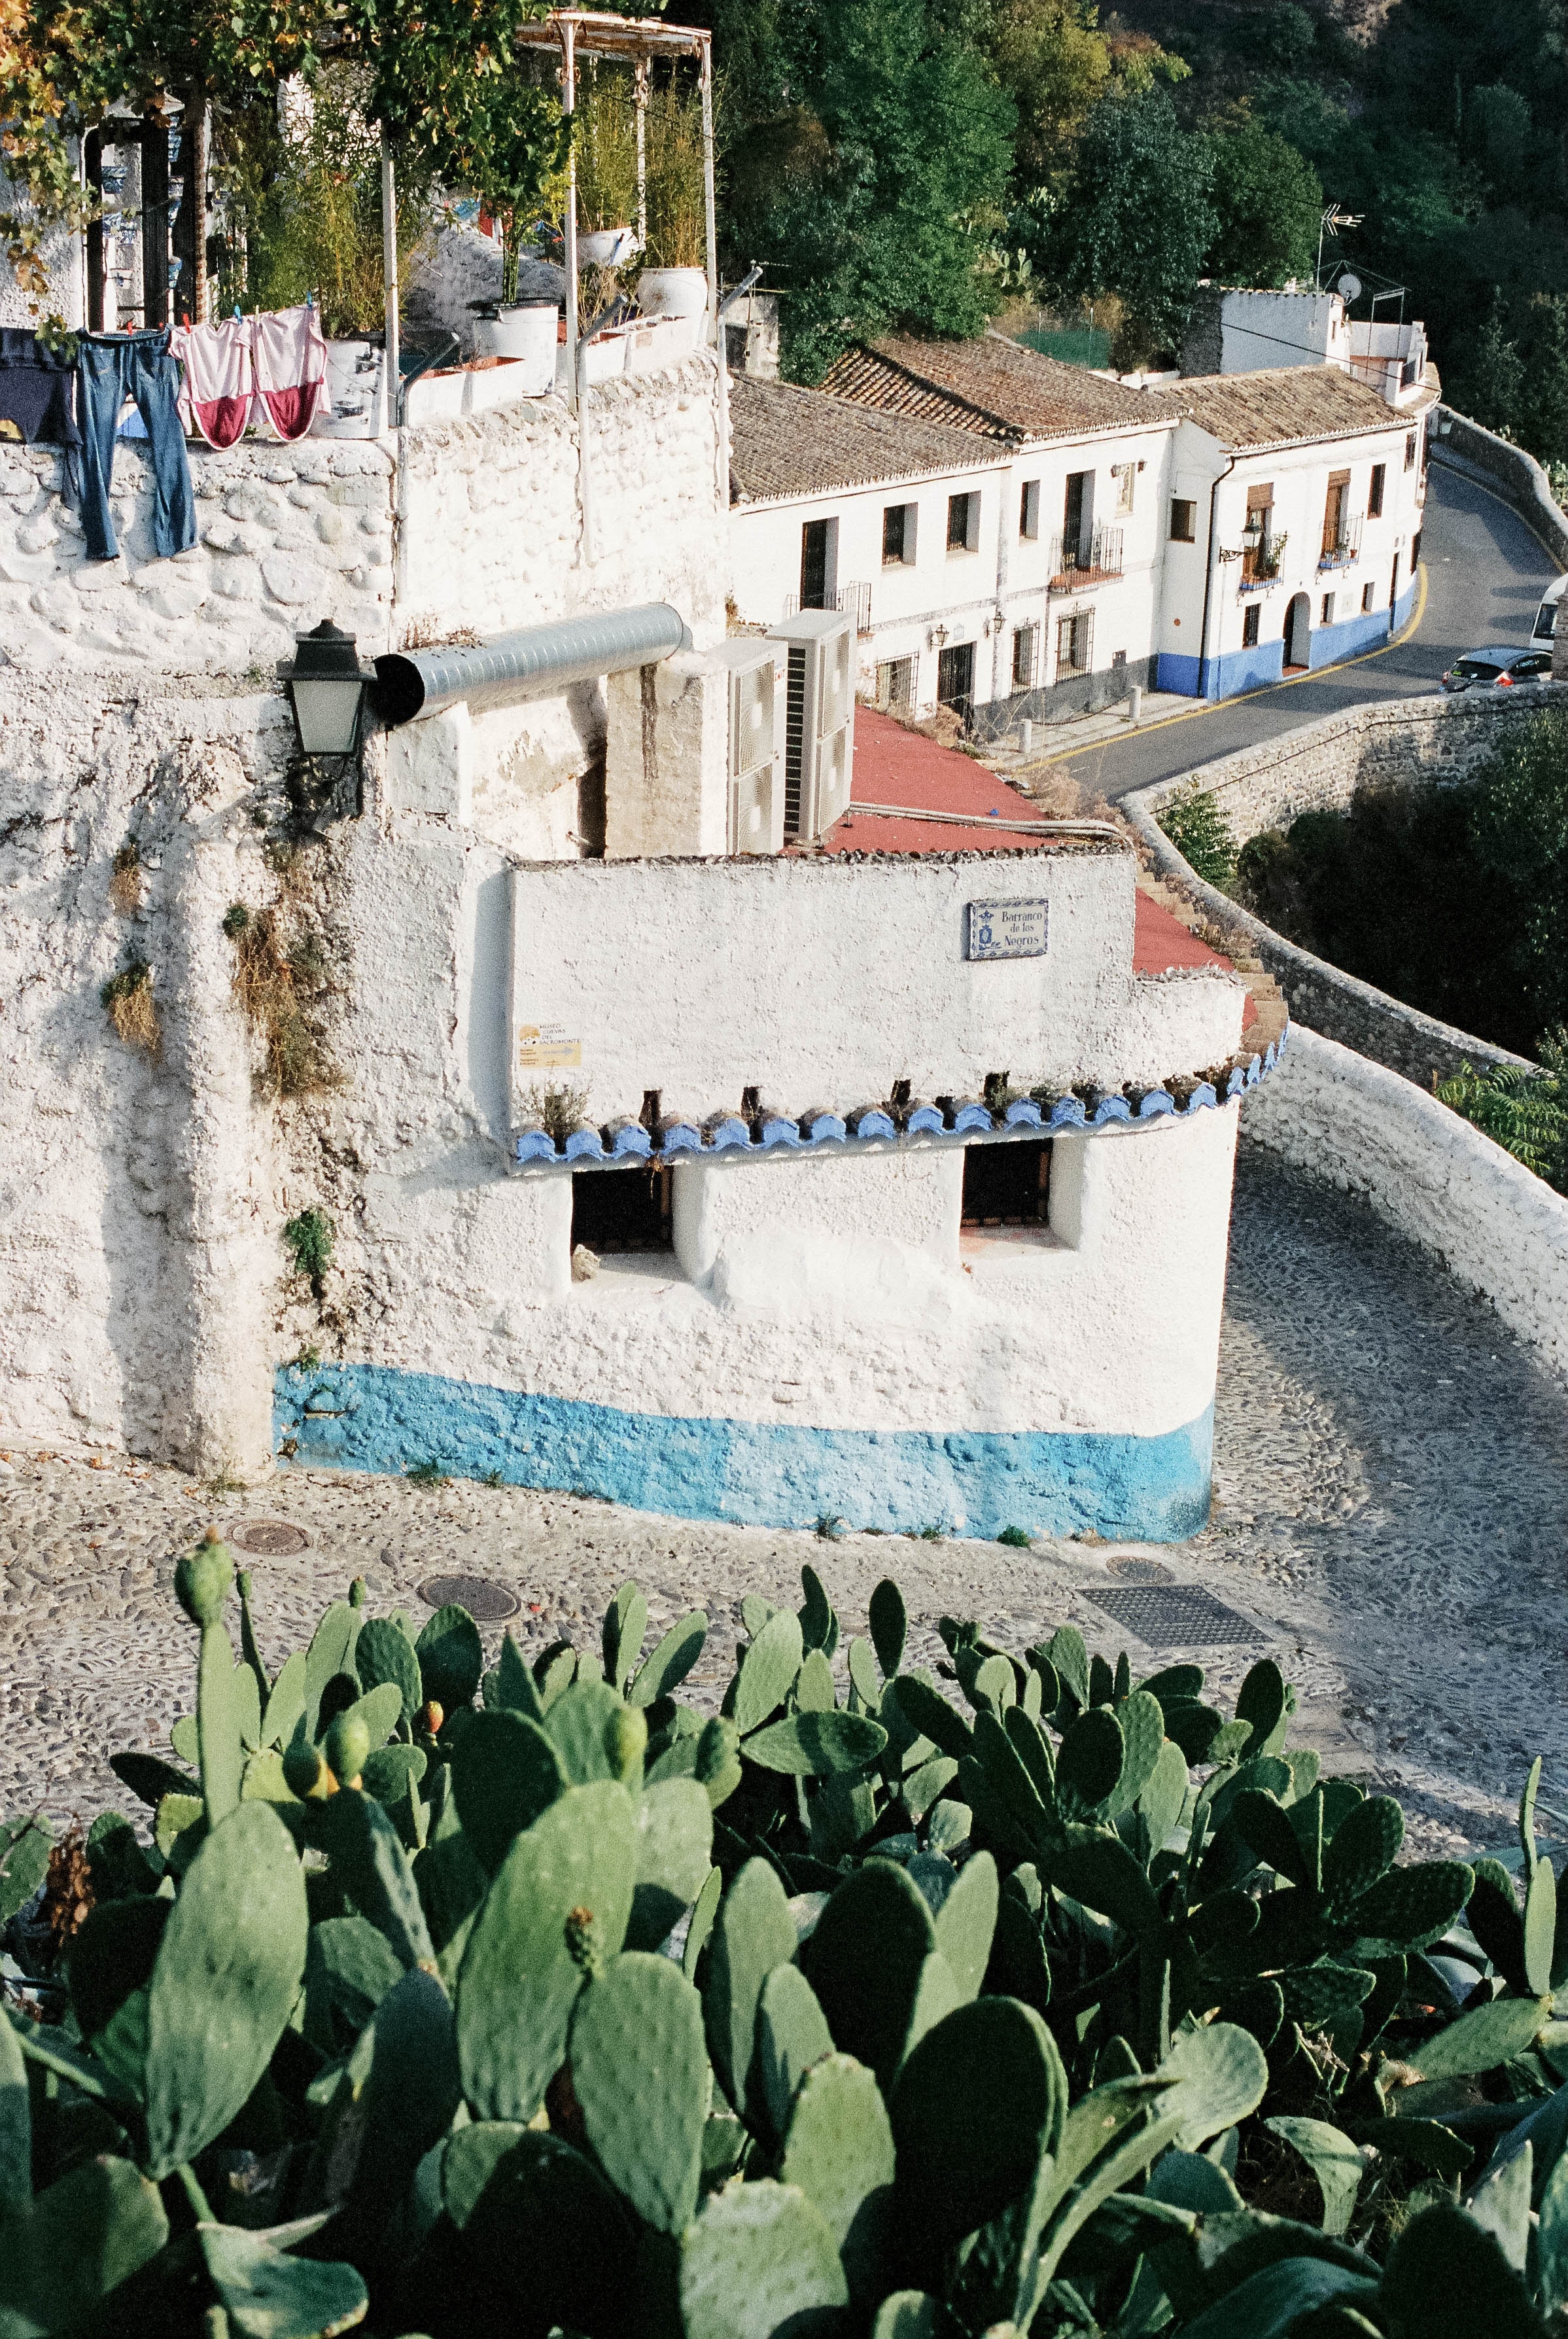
909, 1198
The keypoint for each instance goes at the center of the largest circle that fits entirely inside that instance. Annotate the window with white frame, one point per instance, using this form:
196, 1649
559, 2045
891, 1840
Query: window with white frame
1028, 511
1025, 656
898, 535
1126, 478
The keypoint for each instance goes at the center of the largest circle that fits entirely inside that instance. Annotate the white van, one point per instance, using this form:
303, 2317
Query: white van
1547, 614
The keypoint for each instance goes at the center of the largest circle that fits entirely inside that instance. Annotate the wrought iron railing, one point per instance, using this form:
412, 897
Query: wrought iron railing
1085, 559
1346, 551
1260, 570
849, 601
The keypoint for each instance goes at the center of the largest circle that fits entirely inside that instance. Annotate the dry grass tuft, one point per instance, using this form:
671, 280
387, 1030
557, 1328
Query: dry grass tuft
126, 881
556, 1110
128, 996
272, 983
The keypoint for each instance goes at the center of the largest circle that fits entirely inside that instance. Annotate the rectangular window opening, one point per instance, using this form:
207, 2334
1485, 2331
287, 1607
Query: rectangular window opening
1028, 511
1375, 494
898, 536
1183, 520
1251, 621
1410, 452
1126, 478
1368, 596
814, 575
1074, 645
1025, 651
1327, 617
963, 523
621, 1209
895, 682
1006, 1185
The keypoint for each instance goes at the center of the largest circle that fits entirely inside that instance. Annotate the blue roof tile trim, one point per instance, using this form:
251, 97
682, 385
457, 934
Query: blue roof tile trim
628, 1140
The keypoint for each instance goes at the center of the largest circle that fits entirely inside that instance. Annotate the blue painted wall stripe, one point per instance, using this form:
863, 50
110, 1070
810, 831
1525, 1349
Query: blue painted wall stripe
968, 1482
1236, 672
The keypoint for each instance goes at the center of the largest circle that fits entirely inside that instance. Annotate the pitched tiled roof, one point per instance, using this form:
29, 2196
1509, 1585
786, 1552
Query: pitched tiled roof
785, 441
1281, 406
994, 387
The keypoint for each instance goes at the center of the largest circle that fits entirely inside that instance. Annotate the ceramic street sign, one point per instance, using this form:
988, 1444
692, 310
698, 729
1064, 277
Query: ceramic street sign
1007, 929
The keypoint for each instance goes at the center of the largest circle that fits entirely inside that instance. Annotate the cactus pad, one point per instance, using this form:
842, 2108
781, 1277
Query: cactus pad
817, 1746
519, 1979
673, 1855
671, 1661
505, 1772
203, 1580
965, 1924
889, 1626
760, 2259
1223, 2076
580, 1724
839, 2148
767, 1670
990, 2074
792, 2035
639, 2074
1363, 1848
864, 1961
451, 1657
752, 1933
383, 1652
625, 1622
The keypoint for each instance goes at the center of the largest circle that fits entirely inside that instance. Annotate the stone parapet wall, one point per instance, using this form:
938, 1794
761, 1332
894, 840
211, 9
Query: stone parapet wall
284, 536
1318, 768
1515, 474
466, 524
1497, 1228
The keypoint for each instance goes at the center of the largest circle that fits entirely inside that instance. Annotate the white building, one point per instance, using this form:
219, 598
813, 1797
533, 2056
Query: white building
1234, 331
1294, 508
1051, 608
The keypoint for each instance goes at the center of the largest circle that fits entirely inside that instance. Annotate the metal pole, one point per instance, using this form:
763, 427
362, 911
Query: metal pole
642, 102
568, 107
394, 388
712, 226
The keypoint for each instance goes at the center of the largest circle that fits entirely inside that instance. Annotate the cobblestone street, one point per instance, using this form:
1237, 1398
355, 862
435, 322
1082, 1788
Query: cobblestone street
1391, 1515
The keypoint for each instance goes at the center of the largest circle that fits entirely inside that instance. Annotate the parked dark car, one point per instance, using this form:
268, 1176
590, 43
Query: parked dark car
1497, 669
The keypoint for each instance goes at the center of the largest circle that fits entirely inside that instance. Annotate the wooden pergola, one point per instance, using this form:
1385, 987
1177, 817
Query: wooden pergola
580, 31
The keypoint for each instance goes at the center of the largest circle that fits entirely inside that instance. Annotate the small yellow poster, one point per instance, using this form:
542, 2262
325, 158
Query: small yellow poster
547, 1047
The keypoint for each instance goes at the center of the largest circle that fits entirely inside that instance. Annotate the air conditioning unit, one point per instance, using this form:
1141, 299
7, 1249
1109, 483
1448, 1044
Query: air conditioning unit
819, 647
757, 672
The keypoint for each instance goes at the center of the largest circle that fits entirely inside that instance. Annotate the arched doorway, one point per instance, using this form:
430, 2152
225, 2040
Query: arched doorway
1298, 632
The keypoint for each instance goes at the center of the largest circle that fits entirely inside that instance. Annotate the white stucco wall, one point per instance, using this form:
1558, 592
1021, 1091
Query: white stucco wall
1500, 1230
824, 981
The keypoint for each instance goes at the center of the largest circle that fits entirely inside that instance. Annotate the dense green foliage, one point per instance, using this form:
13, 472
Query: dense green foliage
1200, 833
1455, 899
1524, 1110
451, 2000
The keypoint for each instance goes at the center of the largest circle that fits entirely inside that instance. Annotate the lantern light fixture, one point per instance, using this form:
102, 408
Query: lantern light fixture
328, 689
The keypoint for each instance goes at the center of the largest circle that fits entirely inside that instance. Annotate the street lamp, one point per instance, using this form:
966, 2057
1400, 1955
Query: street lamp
327, 686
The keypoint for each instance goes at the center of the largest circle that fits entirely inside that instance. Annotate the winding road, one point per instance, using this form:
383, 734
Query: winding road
1484, 575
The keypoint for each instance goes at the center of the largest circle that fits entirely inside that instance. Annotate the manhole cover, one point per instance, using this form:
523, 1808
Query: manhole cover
1140, 1571
1176, 1616
271, 1538
486, 1601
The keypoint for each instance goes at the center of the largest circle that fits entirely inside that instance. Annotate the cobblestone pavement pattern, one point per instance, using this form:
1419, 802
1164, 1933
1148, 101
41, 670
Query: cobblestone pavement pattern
1392, 1501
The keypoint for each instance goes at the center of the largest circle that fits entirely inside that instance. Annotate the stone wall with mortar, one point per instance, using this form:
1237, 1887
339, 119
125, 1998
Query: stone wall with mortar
1437, 740
1497, 1229
1515, 474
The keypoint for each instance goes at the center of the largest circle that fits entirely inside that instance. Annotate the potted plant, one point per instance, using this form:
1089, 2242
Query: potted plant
674, 282
604, 139
515, 160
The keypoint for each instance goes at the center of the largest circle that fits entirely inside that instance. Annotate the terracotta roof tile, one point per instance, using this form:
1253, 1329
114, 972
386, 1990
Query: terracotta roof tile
1281, 406
785, 441
994, 387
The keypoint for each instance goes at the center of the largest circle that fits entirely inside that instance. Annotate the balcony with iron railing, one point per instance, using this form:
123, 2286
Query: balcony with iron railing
1345, 550
848, 600
1090, 559
1260, 565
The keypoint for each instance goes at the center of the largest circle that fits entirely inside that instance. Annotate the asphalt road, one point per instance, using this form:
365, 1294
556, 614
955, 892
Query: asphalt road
1486, 574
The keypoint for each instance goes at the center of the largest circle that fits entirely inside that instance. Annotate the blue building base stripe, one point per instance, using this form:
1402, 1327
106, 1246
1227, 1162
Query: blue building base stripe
966, 1482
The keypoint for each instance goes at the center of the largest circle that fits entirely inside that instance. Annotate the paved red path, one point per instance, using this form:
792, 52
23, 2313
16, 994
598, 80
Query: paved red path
895, 766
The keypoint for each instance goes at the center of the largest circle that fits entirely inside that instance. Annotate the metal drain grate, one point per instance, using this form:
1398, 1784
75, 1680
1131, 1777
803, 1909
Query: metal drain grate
270, 1538
486, 1601
1176, 1616
1140, 1571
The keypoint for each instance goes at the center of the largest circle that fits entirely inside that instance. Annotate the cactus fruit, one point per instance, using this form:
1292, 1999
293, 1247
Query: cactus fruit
431, 1717
307, 1773
639, 2072
625, 1743
346, 1747
519, 1981
203, 1580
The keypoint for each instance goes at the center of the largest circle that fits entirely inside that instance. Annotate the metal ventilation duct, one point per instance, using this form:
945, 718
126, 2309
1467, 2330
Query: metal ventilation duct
535, 662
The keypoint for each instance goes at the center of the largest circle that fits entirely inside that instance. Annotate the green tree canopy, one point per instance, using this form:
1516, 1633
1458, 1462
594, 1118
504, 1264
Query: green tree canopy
867, 162
1136, 219
1268, 200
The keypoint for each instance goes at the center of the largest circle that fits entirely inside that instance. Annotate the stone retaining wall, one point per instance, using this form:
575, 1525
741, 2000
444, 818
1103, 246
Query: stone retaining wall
1316, 769
1497, 1228
1516, 474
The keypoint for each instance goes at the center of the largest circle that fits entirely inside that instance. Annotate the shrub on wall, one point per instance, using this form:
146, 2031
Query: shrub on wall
1197, 828
455, 1999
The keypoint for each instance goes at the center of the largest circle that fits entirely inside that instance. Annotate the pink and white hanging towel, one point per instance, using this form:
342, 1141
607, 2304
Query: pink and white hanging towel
219, 383
290, 360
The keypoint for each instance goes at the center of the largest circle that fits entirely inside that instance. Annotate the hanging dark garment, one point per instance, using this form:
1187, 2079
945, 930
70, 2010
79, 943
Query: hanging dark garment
37, 391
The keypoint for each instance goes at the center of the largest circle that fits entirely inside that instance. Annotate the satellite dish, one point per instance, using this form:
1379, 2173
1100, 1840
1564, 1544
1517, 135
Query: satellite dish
1349, 288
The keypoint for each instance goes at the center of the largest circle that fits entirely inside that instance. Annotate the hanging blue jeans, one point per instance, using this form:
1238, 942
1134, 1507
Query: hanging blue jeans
111, 368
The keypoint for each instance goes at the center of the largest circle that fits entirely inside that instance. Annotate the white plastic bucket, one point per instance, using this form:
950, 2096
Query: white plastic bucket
673, 292
526, 333
605, 247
